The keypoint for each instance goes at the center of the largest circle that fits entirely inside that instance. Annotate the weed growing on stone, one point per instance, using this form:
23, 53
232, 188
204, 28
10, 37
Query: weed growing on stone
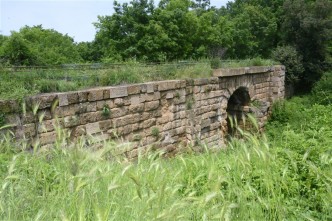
106, 111
155, 132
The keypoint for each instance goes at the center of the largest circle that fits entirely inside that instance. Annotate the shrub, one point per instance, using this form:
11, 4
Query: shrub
288, 56
322, 91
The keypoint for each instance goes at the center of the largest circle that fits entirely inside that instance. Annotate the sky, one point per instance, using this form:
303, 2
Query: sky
72, 17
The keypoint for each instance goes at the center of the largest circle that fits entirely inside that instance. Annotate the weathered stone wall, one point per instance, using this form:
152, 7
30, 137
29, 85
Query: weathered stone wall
166, 113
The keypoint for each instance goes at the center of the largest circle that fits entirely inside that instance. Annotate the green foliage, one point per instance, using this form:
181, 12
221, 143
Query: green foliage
322, 91
288, 56
17, 51
247, 63
106, 110
215, 63
307, 26
17, 85
38, 46
255, 30
301, 132
296, 33
190, 103
155, 132
287, 177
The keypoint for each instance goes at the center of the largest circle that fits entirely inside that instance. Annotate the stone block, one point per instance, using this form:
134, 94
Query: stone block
180, 115
63, 100
9, 106
165, 118
47, 126
96, 95
78, 131
201, 81
169, 95
213, 80
134, 89
91, 106
83, 96
149, 88
47, 138
152, 105
180, 100
119, 102
106, 94
118, 112
176, 123
101, 104
29, 130
156, 113
145, 115
152, 96
167, 126
180, 130
42, 101
147, 123
13, 120
88, 117
105, 125
135, 100
72, 97
71, 121
136, 108
92, 128
44, 114
120, 91
167, 85
209, 115
129, 119
121, 131
205, 123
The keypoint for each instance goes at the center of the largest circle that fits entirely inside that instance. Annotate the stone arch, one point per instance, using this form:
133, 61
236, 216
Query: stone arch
237, 109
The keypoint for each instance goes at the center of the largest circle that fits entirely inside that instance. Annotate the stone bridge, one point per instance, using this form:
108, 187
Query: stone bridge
166, 114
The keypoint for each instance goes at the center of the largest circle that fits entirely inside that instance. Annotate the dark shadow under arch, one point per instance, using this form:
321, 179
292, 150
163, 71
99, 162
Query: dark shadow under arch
235, 109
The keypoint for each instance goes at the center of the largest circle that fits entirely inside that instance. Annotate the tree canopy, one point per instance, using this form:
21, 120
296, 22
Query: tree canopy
295, 32
38, 46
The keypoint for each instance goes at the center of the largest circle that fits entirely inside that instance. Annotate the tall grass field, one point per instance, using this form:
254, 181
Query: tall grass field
284, 174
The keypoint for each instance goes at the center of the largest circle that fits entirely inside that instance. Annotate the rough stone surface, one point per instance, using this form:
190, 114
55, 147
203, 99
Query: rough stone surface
116, 92
163, 114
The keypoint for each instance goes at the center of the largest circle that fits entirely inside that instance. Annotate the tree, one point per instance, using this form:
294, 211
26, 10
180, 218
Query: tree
120, 33
307, 26
17, 51
38, 46
254, 32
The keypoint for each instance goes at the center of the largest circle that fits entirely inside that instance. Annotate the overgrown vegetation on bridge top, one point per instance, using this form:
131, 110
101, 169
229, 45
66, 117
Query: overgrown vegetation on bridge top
284, 176
19, 82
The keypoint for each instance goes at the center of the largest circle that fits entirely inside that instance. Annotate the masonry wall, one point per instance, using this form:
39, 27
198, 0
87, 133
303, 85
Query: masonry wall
167, 114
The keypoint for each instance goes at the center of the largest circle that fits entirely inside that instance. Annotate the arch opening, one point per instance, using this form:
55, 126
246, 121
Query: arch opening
237, 109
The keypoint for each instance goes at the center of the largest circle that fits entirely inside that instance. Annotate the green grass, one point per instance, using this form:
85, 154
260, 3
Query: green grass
242, 63
17, 85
